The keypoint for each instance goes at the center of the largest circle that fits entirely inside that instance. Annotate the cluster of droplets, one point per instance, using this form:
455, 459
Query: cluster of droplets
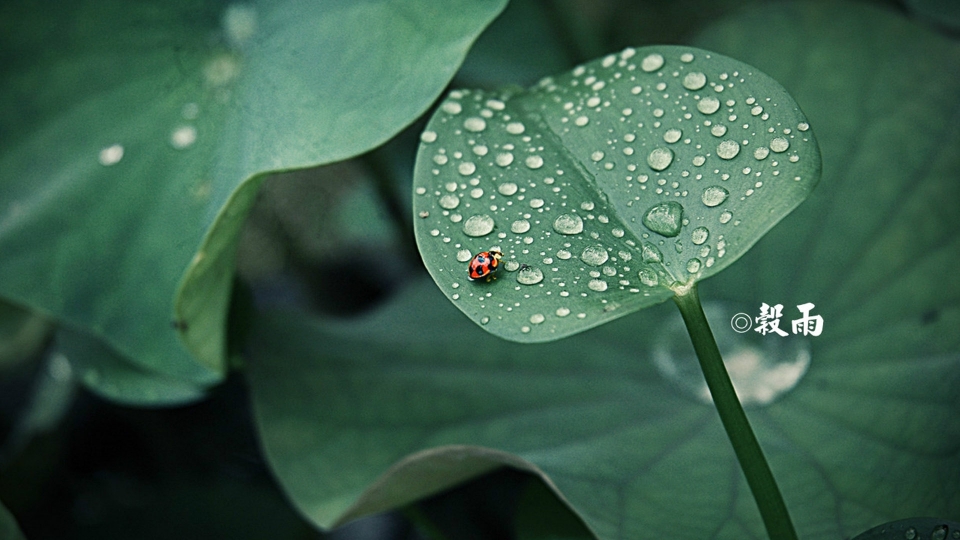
675, 140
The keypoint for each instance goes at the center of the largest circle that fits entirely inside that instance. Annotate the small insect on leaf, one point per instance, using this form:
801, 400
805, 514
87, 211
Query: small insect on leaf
484, 264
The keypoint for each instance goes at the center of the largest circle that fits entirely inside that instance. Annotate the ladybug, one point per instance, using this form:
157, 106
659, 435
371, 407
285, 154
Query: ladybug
484, 264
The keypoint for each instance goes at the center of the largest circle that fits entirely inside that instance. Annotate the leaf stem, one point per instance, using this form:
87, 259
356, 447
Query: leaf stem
759, 477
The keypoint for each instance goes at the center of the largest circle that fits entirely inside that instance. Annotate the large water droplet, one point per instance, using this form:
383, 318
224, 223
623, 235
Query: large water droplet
449, 201
660, 158
650, 253
504, 158
672, 135
534, 162
714, 195
568, 224
664, 218
515, 128
594, 255
693, 266
708, 105
529, 275
779, 145
464, 255
479, 225
475, 124
651, 62
728, 149
694, 80
699, 235
649, 277
507, 188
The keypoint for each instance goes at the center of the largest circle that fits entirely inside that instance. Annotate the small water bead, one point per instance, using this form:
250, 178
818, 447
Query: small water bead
537, 318
699, 235
504, 159
728, 149
466, 168
464, 255
563, 254
726, 216
698, 161
183, 137
529, 275
708, 105
593, 102
534, 162
651, 62
672, 135
507, 188
761, 153
475, 124
596, 156
694, 80
660, 158
649, 277
451, 107
111, 155
714, 195
536, 203
449, 201
428, 136
597, 285
910, 533
594, 255
617, 232
511, 265
478, 225
803, 126
664, 218
520, 226
515, 128
718, 130
568, 224
693, 266
480, 150
562, 312
476, 193
496, 104
779, 145
581, 121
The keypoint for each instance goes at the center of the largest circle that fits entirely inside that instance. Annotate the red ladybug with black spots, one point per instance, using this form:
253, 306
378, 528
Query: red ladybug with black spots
484, 264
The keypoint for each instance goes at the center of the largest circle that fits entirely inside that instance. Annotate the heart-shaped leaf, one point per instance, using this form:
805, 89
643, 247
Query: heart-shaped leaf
135, 137
608, 188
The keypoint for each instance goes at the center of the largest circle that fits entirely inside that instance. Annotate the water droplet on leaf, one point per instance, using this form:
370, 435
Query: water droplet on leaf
664, 218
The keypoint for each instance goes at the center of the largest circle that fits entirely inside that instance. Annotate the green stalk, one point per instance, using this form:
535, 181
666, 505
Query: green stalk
745, 445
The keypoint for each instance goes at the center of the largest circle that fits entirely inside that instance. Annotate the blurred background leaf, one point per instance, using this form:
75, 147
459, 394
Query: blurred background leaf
129, 131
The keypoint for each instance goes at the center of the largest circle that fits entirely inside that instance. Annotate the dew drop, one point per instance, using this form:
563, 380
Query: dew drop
451, 107
479, 225
111, 155
596, 156
660, 158
563, 254
562, 312
652, 62
464, 255
520, 226
515, 128
466, 168
649, 277
475, 124
568, 224
597, 285
726, 216
529, 275
537, 318
910, 533
594, 255
699, 235
449, 201
694, 80
536, 203
714, 195
708, 105
428, 136
511, 265
504, 158
650, 253
672, 135
779, 145
507, 188
183, 137
728, 149
581, 121
761, 153
718, 130
534, 162
664, 218
693, 266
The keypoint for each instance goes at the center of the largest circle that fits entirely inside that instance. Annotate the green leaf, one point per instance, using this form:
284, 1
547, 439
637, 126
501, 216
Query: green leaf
107, 374
22, 334
8, 525
919, 528
867, 435
606, 188
135, 137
